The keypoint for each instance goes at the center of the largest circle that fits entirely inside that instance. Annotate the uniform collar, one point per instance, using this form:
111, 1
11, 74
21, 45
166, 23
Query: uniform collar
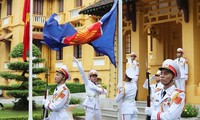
168, 91
60, 86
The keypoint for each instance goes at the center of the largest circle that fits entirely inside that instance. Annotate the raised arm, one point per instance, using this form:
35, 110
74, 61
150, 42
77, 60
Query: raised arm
85, 79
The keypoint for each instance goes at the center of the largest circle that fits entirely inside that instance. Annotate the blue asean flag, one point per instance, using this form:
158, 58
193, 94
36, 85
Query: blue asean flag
105, 44
53, 33
100, 35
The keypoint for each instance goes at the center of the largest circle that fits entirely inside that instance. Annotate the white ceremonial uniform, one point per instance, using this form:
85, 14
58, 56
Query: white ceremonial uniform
135, 67
59, 103
183, 66
154, 87
170, 106
126, 100
91, 102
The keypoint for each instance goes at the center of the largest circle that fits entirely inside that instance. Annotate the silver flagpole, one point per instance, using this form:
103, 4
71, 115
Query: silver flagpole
30, 109
120, 49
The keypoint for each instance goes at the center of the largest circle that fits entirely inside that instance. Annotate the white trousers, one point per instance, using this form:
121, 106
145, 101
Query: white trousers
129, 116
92, 114
180, 84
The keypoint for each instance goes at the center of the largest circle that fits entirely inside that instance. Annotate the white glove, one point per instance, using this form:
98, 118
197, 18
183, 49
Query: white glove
75, 60
148, 111
45, 103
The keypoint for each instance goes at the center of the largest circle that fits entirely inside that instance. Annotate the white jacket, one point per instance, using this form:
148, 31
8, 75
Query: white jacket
170, 106
183, 66
126, 98
135, 67
92, 91
59, 103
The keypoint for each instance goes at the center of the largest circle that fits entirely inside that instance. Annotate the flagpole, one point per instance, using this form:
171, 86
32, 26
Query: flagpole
120, 49
30, 109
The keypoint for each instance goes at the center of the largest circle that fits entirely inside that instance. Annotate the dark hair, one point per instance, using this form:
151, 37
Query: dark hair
129, 79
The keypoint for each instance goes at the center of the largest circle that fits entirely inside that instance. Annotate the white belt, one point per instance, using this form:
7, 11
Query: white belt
129, 100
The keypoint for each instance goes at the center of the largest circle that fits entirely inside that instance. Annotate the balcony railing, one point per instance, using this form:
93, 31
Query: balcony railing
6, 22
39, 20
74, 12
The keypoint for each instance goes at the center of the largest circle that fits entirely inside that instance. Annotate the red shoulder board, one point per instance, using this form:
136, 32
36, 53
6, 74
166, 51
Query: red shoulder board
178, 90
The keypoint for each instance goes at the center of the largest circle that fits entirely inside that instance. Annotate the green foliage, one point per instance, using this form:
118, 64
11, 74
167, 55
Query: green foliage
35, 117
12, 87
18, 51
8, 114
21, 90
73, 88
76, 87
78, 112
39, 70
11, 76
22, 104
38, 60
190, 111
18, 66
74, 100
104, 86
19, 93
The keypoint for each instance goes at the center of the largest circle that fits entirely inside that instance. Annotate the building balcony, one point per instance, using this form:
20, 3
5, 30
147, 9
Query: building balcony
74, 14
6, 22
39, 20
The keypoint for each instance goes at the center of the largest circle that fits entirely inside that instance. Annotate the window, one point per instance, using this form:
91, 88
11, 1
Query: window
38, 7
8, 48
77, 51
59, 54
9, 7
61, 5
128, 43
38, 44
78, 3
98, 54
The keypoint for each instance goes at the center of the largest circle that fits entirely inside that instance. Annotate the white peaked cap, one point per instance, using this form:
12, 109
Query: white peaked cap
129, 73
171, 65
92, 72
64, 71
133, 53
180, 50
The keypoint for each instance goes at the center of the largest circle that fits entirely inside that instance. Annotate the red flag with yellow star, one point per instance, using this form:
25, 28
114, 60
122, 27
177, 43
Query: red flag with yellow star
26, 20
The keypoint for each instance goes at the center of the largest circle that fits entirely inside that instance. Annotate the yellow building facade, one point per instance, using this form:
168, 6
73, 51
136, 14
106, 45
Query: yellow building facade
160, 30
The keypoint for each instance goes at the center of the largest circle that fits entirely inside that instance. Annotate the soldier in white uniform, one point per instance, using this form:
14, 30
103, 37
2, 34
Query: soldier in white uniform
183, 66
154, 87
126, 97
134, 65
61, 96
168, 103
91, 102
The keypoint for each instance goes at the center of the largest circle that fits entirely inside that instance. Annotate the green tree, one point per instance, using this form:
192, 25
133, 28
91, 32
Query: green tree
18, 71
